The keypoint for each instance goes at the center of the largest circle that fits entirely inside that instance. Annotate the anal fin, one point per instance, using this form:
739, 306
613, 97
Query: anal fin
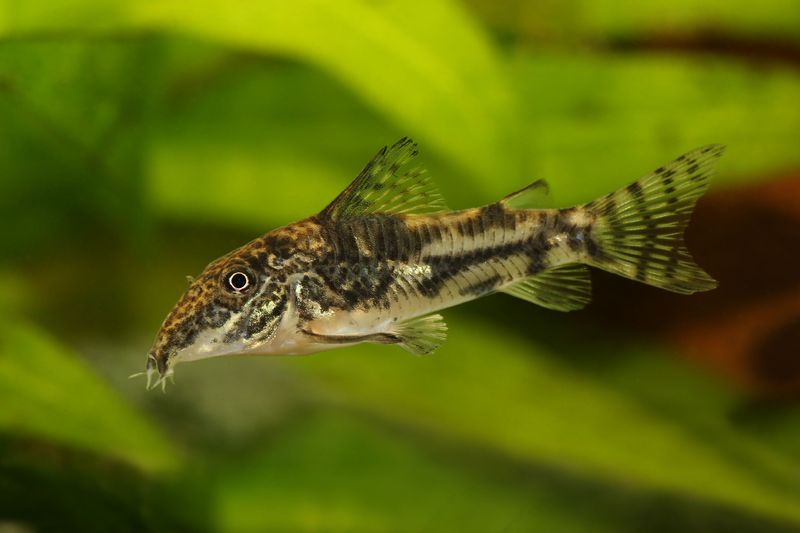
566, 288
422, 335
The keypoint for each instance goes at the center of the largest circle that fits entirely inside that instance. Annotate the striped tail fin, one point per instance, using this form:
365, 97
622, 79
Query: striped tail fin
639, 229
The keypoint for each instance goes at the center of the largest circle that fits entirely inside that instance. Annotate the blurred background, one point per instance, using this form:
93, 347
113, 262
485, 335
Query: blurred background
141, 140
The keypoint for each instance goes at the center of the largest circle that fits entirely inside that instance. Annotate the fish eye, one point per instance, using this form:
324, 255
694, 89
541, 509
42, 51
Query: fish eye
237, 281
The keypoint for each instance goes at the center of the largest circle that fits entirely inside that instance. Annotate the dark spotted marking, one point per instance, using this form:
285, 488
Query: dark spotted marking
200, 308
257, 261
644, 257
592, 248
561, 225
258, 323
537, 261
608, 210
672, 265
280, 244
464, 227
477, 225
373, 288
640, 269
444, 271
493, 216
315, 291
425, 235
636, 191
356, 285
610, 206
387, 236
351, 297
577, 235
484, 287
537, 250
354, 259
340, 236
186, 331
693, 168
618, 233
357, 203
496, 216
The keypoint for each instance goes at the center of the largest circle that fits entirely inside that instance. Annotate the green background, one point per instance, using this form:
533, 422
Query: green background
141, 140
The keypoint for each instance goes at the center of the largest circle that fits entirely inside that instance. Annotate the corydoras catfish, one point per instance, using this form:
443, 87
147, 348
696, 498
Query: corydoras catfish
380, 260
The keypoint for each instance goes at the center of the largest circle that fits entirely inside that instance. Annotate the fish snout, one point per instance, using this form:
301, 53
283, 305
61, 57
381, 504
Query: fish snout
156, 363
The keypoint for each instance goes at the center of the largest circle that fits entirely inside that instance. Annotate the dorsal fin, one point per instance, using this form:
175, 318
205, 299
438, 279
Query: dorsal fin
384, 186
565, 288
533, 196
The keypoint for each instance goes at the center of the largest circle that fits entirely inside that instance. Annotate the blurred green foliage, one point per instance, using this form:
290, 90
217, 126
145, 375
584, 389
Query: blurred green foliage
51, 395
140, 140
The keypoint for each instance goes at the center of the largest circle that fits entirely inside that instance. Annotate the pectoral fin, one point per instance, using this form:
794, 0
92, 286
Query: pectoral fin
419, 336
422, 335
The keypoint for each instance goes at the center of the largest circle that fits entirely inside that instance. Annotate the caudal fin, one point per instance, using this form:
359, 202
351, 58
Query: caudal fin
639, 229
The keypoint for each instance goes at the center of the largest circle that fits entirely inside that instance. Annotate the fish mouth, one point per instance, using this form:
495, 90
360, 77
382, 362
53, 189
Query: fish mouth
161, 363
157, 369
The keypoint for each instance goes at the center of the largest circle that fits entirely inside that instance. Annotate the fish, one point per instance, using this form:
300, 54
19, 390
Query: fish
386, 255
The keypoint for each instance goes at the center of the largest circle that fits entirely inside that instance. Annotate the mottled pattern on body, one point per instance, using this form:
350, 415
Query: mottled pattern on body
386, 254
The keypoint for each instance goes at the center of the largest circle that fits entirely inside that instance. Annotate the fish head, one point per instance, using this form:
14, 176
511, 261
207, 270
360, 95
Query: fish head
234, 307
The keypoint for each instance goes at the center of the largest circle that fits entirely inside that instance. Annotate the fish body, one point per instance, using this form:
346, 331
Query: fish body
379, 262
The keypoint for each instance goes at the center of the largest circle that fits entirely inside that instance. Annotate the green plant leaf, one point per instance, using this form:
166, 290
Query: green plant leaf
49, 393
739, 17
71, 116
398, 62
680, 21
520, 402
334, 473
626, 116
270, 177
584, 139
586, 123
